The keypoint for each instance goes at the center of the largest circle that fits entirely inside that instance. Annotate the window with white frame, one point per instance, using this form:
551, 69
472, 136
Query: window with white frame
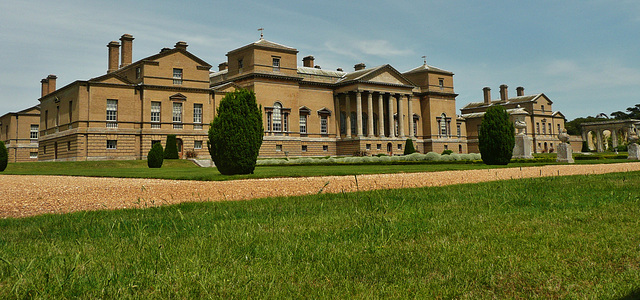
197, 144
538, 128
197, 116
303, 124
276, 117
550, 129
177, 115
177, 76
33, 154
441, 83
112, 113
459, 130
544, 129
155, 114
304, 148
276, 64
323, 125
444, 130
415, 126
33, 134
112, 144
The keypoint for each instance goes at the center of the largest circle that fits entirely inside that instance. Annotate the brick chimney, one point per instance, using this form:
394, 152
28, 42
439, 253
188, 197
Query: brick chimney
223, 66
487, 95
45, 87
126, 50
360, 66
114, 56
520, 91
504, 93
307, 61
51, 79
181, 45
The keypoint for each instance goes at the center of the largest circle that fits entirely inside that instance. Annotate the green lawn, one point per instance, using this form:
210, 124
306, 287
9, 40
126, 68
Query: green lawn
186, 170
570, 237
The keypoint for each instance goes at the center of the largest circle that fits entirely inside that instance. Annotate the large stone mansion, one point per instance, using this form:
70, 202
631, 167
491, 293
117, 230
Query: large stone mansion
307, 111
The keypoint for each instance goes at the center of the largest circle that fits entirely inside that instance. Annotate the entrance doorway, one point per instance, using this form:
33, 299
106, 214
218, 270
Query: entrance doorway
179, 144
390, 149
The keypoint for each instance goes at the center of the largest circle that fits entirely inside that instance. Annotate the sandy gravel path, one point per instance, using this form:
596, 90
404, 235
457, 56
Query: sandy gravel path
24, 195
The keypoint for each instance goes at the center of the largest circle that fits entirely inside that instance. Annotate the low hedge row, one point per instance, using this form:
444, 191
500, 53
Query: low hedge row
411, 158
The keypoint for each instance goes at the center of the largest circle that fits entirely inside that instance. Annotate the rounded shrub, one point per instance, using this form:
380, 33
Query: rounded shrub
235, 135
497, 136
155, 157
171, 148
4, 156
408, 147
446, 152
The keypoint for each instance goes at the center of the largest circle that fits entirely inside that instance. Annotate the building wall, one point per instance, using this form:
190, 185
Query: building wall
15, 132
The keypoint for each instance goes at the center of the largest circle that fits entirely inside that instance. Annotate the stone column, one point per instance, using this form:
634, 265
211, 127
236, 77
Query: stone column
392, 127
599, 140
410, 115
359, 113
400, 118
347, 101
370, 113
380, 116
336, 115
614, 138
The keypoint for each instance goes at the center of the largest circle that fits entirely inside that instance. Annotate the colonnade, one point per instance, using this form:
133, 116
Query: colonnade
627, 126
394, 100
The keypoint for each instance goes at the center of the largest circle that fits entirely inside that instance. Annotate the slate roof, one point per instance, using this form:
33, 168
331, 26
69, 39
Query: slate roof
266, 44
426, 67
514, 100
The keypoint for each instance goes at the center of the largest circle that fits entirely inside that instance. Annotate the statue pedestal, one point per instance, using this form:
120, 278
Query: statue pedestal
523, 147
565, 153
634, 151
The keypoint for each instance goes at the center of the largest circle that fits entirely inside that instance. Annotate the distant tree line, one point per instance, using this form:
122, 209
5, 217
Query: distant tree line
573, 126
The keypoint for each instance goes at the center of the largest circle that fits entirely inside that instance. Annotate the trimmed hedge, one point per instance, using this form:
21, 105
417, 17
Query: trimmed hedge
235, 135
447, 152
4, 156
155, 157
408, 147
402, 159
171, 148
497, 136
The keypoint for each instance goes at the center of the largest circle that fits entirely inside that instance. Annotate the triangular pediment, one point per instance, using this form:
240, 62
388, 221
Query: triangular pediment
228, 87
387, 75
178, 97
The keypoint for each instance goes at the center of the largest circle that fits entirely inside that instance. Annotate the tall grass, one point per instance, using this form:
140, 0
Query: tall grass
560, 237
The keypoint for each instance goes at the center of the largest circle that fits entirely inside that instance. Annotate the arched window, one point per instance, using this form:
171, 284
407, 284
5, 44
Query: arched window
277, 117
444, 128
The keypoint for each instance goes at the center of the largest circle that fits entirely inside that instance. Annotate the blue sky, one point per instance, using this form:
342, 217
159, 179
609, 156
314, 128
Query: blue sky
584, 55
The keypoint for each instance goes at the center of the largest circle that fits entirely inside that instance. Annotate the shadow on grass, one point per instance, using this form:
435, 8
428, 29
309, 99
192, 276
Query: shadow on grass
632, 296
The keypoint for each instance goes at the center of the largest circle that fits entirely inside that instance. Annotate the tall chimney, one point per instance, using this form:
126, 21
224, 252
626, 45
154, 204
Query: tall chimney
307, 61
520, 91
126, 50
487, 95
181, 45
52, 83
114, 48
504, 94
223, 66
360, 66
45, 87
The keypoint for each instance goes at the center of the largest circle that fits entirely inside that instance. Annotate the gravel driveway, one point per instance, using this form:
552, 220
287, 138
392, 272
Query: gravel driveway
27, 195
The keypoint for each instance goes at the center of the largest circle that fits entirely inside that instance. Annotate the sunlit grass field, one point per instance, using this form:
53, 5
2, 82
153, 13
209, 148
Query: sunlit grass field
572, 237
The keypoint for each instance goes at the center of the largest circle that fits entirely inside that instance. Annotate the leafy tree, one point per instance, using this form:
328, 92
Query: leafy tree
4, 156
573, 127
632, 113
235, 135
497, 137
408, 147
171, 148
447, 152
155, 157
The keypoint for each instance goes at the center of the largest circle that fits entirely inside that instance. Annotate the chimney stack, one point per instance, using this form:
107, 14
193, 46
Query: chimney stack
307, 61
45, 87
360, 66
51, 79
339, 70
223, 66
504, 93
520, 91
126, 50
487, 95
114, 48
181, 45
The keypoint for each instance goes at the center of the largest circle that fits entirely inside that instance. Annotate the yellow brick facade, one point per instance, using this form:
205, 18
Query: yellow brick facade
19, 132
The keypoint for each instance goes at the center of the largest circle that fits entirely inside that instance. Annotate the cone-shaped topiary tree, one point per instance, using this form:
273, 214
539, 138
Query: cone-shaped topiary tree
497, 136
4, 156
408, 147
155, 157
585, 147
235, 135
171, 148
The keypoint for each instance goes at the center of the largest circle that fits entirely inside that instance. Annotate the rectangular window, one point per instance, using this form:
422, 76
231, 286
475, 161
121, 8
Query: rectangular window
304, 148
441, 83
177, 76
33, 134
550, 129
278, 147
378, 146
276, 64
368, 146
197, 113
153, 143
544, 129
112, 144
303, 124
542, 108
285, 122
138, 73
155, 114
400, 146
177, 112
240, 65
323, 125
559, 128
538, 128
197, 145
112, 113
415, 127
68, 146
33, 155
277, 120
325, 148
459, 130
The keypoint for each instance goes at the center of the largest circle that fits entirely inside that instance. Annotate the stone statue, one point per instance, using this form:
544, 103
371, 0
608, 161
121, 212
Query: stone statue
633, 148
565, 153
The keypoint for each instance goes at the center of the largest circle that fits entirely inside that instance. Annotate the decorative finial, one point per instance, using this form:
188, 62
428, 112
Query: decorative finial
425, 59
261, 33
